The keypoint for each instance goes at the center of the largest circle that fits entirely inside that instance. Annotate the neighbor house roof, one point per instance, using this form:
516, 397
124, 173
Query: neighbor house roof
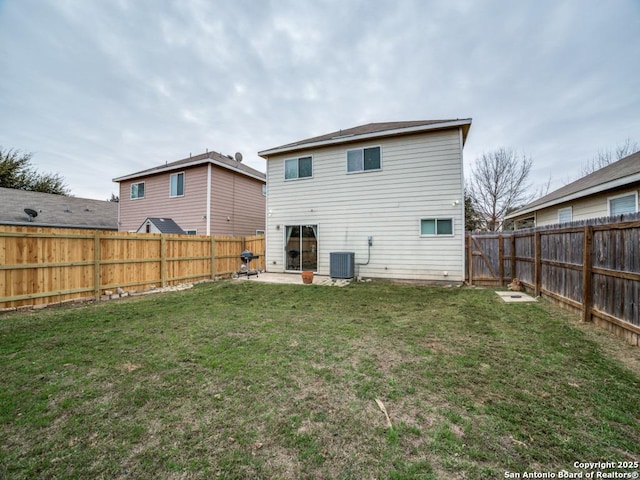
214, 158
165, 225
371, 131
56, 210
615, 175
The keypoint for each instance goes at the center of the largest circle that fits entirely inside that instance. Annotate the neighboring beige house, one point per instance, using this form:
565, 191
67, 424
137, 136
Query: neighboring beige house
36, 209
612, 190
209, 194
386, 196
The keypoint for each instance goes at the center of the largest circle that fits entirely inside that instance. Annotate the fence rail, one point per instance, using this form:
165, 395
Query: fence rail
593, 267
43, 265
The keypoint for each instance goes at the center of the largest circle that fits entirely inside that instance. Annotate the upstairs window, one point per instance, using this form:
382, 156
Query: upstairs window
137, 190
298, 168
177, 185
627, 203
363, 159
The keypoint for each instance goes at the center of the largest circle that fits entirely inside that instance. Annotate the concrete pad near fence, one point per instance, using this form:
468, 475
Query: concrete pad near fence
515, 297
293, 279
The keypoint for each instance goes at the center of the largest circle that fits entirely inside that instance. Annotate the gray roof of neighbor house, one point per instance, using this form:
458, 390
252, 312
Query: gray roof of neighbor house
615, 175
165, 225
209, 157
56, 210
372, 130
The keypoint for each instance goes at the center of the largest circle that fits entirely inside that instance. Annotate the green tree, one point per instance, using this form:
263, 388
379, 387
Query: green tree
17, 172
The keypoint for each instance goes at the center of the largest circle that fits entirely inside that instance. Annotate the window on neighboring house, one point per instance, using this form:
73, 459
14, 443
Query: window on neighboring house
363, 159
259, 232
565, 215
191, 232
436, 226
298, 168
137, 190
264, 189
627, 203
177, 185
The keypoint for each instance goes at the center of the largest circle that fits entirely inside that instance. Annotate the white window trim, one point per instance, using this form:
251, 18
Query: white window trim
627, 194
284, 174
131, 191
184, 177
355, 172
560, 210
432, 235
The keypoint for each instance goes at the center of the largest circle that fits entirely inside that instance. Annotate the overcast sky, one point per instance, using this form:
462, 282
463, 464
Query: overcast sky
98, 89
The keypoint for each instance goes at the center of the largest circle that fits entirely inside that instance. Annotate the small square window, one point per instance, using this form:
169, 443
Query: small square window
137, 190
436, 226
565, 215
623, 204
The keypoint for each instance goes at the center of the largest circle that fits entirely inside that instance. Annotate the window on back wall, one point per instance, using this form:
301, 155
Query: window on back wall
363, 159
627, 203
177, 185
565, 215
298, 168
137, 190
436, 226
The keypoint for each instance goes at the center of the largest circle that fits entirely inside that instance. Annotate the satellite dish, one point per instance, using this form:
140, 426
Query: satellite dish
31, 212
238, 156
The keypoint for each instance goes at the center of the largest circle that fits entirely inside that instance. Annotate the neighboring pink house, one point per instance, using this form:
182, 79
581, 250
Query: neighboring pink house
209, 194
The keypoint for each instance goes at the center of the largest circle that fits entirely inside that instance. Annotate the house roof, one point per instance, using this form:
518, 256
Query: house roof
165, 225
615, 175
56, 210
370, 131
214, 158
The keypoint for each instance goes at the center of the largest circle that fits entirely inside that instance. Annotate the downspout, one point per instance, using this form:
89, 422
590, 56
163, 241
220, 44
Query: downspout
462, 203
208, 199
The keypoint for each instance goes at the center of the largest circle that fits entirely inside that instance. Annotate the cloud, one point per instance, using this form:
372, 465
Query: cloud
101, 89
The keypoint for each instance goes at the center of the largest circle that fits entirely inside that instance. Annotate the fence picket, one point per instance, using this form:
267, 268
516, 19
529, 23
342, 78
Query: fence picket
41, 266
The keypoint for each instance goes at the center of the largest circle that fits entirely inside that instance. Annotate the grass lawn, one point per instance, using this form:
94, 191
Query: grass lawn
249, 380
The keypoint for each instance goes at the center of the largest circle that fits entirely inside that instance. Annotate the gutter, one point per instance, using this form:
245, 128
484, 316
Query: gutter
170, 168
364, 136
59, 225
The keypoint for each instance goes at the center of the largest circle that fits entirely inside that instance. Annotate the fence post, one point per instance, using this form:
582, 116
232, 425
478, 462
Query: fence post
163, 260
501, 259
96, 264
538, 264
470, 259
213, 258
587, 259
514, 274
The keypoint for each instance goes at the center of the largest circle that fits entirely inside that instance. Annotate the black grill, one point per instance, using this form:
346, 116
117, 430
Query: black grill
246, 256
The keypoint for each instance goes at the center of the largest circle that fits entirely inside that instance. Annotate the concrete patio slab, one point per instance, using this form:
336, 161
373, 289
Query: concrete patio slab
516, 297
293, 279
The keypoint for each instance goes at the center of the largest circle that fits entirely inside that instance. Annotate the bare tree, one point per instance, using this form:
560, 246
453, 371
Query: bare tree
607, 156
498, 184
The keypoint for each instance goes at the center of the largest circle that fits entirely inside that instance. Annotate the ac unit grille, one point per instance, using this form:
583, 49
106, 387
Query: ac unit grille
341, 264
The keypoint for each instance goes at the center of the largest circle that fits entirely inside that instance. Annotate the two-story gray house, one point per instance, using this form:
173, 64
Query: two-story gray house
390, 193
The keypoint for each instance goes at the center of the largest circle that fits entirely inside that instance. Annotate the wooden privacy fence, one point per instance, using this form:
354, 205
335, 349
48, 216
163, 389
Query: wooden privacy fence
43, 265
590, 266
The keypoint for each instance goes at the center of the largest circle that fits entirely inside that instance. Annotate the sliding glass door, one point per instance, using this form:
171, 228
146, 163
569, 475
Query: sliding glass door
301, 247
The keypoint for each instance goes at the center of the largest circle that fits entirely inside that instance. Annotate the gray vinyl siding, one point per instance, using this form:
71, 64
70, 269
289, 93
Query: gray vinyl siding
420, 177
